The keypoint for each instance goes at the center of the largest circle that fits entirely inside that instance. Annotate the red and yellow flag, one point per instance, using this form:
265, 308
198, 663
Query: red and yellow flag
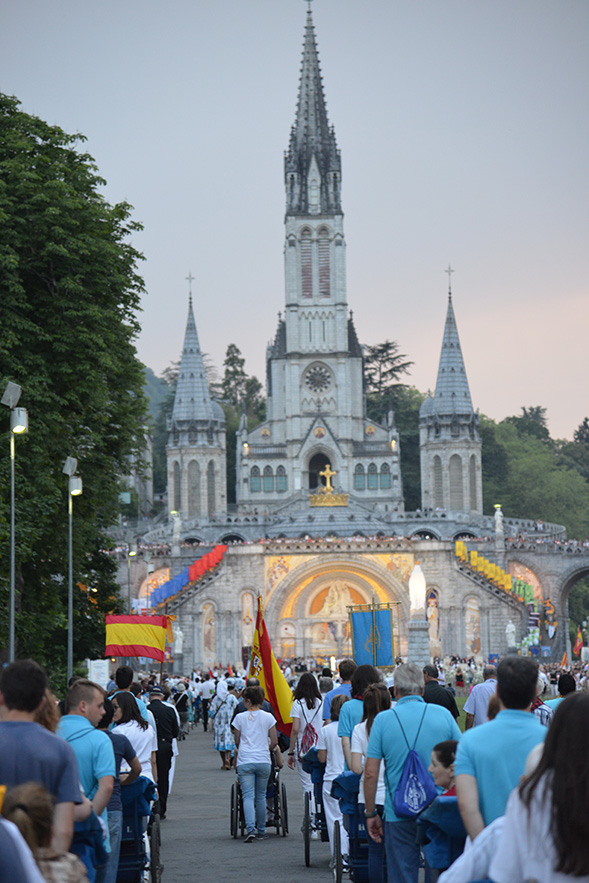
578, 643
138, 636
564, 661
263, 666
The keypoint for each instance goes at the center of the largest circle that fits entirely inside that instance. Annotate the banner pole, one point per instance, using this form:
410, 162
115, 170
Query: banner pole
374, 631
162, 662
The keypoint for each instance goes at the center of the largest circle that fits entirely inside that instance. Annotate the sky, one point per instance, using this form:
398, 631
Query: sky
463, 128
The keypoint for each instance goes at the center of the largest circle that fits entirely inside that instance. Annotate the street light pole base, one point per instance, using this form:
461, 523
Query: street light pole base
418, 647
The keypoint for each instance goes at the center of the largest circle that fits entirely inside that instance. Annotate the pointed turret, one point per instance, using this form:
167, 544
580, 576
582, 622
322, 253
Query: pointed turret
192, 400
452, 395
312, 165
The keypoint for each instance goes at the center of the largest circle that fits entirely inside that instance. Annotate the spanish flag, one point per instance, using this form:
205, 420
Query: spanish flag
263, 666
138, 636
578, 643
564, 661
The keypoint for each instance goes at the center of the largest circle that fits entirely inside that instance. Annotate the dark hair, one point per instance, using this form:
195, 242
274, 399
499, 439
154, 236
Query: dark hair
564, 759
516, 681
81, 691
107, 717
124, 677
362, 677
252, 682
326, 672
336, 706
30, 808
566, 684
446, 752
376, 698
255, 695
135, 689
307, 689
130, 710
431, 671
23, 684
347, 667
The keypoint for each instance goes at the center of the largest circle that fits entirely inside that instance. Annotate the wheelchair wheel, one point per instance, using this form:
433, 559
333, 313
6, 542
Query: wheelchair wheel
277, 810
240, 812
233, 812
307, 829
155, 865
338, 863
284, 811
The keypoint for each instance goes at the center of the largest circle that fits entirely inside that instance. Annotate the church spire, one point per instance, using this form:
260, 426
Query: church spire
452, 394
192, 400
312, 164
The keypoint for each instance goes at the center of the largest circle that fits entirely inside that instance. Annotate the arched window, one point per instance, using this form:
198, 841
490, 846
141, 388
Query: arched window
472, 477
177, 487
193, 489
438, 483
372, 478
268, 480
255, 480
385, 477
211, 488
306, 264
359, 478
456, 490
324, 264
281, 480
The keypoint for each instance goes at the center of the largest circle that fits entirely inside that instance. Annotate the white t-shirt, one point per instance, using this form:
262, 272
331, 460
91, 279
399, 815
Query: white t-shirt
359, 745
254, 727
331, 742
306, 715
143, 741
207, 689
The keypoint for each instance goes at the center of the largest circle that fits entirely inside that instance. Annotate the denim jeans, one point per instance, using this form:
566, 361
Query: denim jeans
377, 872
253, 778
402, 850
115, 829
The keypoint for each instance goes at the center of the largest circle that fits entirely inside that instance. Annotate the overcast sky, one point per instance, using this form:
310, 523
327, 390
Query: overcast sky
463, 127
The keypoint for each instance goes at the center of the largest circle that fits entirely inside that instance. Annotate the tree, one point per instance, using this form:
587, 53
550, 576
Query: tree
531, 421
234, 378
69, 296
383, 365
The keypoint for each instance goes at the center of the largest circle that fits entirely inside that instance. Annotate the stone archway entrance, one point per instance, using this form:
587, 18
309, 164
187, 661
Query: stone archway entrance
317, 464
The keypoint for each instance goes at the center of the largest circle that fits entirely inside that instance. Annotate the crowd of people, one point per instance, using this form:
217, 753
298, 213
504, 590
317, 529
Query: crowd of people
518, 774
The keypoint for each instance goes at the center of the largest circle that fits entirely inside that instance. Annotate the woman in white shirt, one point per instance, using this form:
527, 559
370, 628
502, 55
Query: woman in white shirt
255, 736
376, 698
307, 720
546, 833
331, 753
128, 721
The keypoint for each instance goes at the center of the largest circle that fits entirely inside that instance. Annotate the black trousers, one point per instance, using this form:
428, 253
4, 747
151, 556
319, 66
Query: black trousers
205, 714
163, 763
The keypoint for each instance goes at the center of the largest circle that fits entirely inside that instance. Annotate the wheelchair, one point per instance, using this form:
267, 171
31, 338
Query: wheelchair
276, 806
139, 807
316, 769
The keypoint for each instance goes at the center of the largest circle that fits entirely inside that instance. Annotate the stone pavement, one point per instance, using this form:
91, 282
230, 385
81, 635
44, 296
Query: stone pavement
196, 843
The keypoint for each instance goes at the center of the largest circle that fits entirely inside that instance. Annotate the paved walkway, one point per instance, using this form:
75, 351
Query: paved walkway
196, 843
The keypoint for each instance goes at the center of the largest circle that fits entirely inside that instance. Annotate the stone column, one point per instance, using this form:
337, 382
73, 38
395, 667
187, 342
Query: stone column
196, 639
418, 650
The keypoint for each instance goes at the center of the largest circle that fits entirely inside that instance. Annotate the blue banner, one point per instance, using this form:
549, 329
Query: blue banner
372, 634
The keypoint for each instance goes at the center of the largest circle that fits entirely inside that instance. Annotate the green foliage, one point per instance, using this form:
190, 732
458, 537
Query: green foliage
383, 366
69, 296
156, 391
532, 422
407, 402
234, 378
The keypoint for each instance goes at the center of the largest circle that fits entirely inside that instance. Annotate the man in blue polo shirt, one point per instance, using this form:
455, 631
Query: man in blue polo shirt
490, 759
346, 667
424, 725
351, 712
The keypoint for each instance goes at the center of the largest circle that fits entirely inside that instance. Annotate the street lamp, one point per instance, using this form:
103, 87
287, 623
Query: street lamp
19, 424
74, 490
131, 552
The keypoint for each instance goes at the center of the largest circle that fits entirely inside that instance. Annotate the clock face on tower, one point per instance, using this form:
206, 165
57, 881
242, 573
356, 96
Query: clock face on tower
317, 379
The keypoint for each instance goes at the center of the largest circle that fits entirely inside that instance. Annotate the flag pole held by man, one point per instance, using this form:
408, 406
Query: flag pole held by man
264, 667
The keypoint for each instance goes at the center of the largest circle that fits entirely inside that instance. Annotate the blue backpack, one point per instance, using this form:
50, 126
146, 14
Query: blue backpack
416, 788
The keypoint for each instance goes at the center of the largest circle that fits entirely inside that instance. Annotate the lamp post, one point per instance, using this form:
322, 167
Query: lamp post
418, 643
131, 552
19, 424
74, 490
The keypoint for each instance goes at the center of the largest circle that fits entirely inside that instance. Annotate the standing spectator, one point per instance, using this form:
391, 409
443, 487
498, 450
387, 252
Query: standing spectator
93, 749
128, 722
329, 751
346, 668
30, 752
182, 703
222, 712
459, 681
566, 686
306, 724
437, 694
542, 711
124, 681
167, 730
410, 724
207, 691
377, 698
351, 713
477, 703
123, 750
491, 759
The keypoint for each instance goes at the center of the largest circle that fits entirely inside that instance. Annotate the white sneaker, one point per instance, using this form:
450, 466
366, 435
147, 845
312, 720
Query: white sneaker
315, 834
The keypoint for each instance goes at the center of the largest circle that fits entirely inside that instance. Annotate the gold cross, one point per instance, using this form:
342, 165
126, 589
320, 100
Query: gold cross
327, 475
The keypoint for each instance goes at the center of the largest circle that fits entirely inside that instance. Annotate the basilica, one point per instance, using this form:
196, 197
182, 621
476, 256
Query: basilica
319, 522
